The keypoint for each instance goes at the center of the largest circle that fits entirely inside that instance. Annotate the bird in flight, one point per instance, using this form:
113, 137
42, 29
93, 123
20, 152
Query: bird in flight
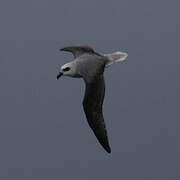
90, 66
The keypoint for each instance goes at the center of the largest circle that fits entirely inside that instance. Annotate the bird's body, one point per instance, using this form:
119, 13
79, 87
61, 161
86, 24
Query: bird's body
90, 66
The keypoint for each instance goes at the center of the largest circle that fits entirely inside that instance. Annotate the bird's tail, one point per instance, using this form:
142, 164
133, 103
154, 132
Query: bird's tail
115, 57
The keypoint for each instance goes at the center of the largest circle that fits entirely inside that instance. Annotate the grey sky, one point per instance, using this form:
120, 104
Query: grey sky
43, 130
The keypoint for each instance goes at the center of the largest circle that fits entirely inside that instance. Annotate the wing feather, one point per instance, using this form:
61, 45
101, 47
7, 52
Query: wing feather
78, 50
92, 103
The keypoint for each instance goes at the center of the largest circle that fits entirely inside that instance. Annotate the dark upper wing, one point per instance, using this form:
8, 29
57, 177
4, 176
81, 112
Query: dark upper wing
78, 50
92, 103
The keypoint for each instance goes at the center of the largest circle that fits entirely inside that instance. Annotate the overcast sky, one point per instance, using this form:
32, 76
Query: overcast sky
43, 131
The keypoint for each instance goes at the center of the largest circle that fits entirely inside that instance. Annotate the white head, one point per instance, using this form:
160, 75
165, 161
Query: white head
68, 69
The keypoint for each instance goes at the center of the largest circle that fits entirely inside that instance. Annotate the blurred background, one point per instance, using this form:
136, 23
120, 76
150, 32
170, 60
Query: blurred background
43, 130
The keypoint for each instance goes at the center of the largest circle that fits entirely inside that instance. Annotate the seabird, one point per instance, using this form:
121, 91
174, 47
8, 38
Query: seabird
90, 65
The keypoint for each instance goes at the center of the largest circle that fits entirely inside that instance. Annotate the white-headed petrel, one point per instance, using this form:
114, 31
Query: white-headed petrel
90, 66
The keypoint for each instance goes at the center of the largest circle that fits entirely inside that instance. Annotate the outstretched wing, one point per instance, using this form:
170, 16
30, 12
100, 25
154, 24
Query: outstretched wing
78, 50
92, 103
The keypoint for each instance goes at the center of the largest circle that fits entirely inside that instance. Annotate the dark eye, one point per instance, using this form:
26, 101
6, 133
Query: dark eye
66, 69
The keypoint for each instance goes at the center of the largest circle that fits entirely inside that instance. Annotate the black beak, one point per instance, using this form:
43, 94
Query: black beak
59, 75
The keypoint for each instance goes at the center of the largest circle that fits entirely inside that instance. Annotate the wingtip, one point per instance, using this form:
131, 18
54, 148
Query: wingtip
68, 48
108, 149
61, 49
